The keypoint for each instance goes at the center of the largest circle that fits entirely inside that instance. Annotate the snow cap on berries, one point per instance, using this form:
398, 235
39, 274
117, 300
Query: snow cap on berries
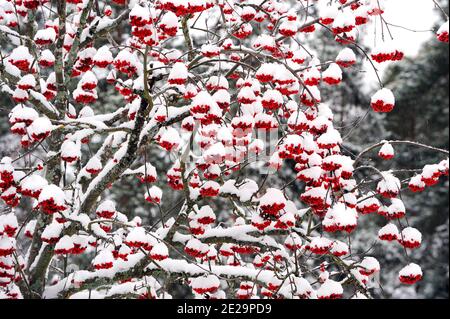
410, 274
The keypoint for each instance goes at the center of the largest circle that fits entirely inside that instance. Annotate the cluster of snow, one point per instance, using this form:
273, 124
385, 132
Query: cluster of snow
390, 186
383, 101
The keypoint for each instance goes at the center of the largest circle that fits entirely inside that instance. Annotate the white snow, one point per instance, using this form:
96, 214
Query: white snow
272, 196
41, 125
389, 229
346, 56
410, 234
52, 192
329, 288
385, 95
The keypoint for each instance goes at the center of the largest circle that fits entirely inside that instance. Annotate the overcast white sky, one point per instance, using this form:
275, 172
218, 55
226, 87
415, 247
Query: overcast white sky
412, 14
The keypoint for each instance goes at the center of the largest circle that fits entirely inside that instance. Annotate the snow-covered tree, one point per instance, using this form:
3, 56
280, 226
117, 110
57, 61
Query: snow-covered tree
198, 148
